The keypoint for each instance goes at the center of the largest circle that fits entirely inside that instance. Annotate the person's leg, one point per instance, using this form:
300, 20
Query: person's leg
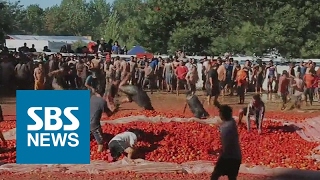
97, 134
311, 93
1, 114
219, 169
242, 112
177, 87
306, 95
284, 100
234, 166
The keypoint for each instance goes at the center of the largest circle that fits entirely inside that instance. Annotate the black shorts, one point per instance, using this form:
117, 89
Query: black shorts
251, 113
222, 84
117, 148
245, 110
213, 91
228, 167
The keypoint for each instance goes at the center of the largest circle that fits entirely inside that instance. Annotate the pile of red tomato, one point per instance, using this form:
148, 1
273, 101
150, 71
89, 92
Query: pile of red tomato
119, 176
8, 153
288, 116
278, 146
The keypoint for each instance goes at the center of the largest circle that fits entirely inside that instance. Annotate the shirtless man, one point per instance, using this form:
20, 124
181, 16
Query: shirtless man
133, 70
123, 68
283, 88
96, 63
148, 76
58, 82
81, 69
192, 78
39, 77
255, 108
222, 72
22, 73
117, 66
309, 79
298, 88
110, 93
168, 74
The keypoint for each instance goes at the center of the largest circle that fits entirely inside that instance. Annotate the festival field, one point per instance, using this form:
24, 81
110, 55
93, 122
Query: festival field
178, 146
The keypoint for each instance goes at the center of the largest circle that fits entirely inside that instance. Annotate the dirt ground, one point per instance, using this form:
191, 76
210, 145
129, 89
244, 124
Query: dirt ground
164, 102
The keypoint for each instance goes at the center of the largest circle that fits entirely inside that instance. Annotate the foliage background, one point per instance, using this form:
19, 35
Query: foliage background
201, 27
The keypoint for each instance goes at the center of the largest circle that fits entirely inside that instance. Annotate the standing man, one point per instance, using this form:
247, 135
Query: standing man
39, 77
97, 106
228, 163
222, 72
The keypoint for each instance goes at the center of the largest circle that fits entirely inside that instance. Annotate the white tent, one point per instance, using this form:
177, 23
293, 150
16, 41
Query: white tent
54, 43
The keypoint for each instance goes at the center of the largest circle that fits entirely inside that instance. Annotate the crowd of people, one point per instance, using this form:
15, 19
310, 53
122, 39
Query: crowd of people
100, 46
105, 78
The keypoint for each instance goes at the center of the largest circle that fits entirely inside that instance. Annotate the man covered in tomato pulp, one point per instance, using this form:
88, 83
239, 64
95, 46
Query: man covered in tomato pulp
195, 106
255, 108
283, 88
228, 163
241, 78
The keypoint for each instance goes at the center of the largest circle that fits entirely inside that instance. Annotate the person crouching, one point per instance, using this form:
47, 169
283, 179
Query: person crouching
124, 143
256, 108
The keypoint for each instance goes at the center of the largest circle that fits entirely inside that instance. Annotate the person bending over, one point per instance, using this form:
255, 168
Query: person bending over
124, 143
255, 108
229, 161
91, 82
98, 105
195, 106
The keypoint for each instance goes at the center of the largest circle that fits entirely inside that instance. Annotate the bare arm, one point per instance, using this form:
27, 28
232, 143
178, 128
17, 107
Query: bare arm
56, 72
248, 117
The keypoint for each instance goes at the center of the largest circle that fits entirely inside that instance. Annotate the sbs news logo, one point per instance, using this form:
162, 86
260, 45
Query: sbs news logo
53, 127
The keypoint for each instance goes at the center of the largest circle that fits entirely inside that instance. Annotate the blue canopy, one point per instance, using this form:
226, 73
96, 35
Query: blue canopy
135, 50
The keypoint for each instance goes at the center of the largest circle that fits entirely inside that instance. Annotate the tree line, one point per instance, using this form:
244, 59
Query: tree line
200, 27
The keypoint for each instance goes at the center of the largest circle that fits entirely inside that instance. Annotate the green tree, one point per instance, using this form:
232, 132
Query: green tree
100, 12
52, 20
34, 20
75, 17
112, 27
